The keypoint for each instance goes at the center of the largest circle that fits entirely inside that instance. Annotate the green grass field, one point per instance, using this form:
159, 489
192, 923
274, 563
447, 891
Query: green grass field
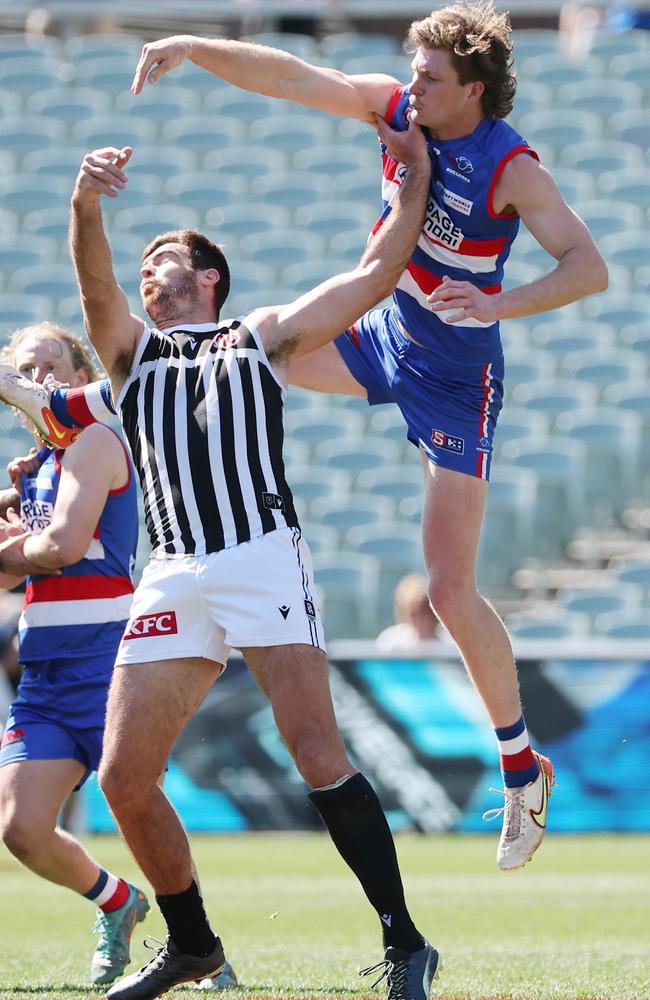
574, 924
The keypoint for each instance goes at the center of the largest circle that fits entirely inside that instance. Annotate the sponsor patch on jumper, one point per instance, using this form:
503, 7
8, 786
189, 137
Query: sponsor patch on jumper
447, 442
36, 514
456, 202
225, 338
145, 626
438, 226
273, 501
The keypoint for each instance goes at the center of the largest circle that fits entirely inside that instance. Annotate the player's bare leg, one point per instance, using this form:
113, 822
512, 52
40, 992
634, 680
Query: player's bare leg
324, 370
454, 504
148, 706
32, 793
295, 680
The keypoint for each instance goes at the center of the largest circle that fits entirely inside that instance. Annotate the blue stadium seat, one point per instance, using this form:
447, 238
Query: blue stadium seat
292, 190
15, 254
162, 161
306, 275
527, 364
45, 279
633, 67
157, 104
600, 96
555, 70
355, 456
630, 248
273, 295
516, 423
68, 104
556, 624
323, 425
554, 396
627, 624
532, 42
282, 248
320, 538
202, 136
290, 132
575, 184
600, 600
562, 126
49, 222
22, 134
243, 104
330, 158
317, 482
631, 184
603, 366
397, 547
609, 43
617, 308
301, 45
560, 465
251, 278
202, 191
630, 126
333, 218
613, 441
349, 585
89, 48
147, 221
562, 340
109, 73
23, 79
19, 309
509, 514
604, 217
58, 161
397, 482
256, 162
355, 511
592, 157
26, 192
346, 46
631, 571
633, 395
241, 219
113, 130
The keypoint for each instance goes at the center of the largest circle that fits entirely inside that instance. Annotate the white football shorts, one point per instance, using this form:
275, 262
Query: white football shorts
259, 593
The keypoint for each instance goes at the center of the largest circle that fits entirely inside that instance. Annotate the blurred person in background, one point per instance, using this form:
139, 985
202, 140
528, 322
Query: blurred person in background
436, 352
415, 620
76, 514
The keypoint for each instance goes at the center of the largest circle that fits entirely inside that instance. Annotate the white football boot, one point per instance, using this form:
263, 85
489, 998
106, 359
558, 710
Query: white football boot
524, 817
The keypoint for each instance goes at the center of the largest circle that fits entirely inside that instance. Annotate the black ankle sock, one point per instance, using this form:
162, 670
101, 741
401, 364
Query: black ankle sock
186, 921
353, 815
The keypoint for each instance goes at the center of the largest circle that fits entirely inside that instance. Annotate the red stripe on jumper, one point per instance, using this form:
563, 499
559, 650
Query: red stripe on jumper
394, 101
428, 282
77, 588
78, 407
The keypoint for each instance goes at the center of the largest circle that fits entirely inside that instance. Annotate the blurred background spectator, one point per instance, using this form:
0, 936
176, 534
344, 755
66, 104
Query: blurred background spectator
415, 620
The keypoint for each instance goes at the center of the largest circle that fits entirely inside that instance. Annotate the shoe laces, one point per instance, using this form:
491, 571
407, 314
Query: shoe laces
107, 926
395, 973
513, 807
161, 953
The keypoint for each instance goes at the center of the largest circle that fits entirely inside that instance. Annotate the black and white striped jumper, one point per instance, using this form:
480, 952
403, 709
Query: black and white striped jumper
202, 411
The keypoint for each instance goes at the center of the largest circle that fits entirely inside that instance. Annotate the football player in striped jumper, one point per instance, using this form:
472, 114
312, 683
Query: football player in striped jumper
436, 352
201, 404
74, 519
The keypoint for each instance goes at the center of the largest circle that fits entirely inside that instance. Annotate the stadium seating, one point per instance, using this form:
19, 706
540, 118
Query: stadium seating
349, 586
355, 456
398, 549
554, 396
357, 511
626, 624
257, 161
558, 625
595, 601
599, 96
330, 425
510, 514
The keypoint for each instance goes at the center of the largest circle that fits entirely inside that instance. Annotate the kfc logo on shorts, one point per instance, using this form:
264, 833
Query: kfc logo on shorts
12, 736
164, 623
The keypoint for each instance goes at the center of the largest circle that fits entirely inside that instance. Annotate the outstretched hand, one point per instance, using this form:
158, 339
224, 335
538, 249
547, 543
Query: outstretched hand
158, 58
408, 147
101, 172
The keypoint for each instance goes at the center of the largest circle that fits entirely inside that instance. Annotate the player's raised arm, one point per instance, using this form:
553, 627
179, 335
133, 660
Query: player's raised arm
269, 71
327, 310
113, 331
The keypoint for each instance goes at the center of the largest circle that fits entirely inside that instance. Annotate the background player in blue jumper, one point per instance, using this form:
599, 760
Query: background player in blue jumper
437, 351
79, 522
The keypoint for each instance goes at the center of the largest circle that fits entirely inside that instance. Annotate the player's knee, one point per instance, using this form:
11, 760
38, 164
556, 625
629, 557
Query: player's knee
448, 597
320, 757
21, 836
118, 783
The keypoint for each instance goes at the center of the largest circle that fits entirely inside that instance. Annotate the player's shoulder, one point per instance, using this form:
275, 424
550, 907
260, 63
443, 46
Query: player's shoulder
97, 444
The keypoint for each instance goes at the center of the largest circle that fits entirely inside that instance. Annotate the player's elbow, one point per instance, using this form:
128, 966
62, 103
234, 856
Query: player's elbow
381, 278
600, 273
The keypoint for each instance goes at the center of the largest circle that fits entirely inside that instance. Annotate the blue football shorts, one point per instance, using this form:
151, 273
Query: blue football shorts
450, 413
59, 712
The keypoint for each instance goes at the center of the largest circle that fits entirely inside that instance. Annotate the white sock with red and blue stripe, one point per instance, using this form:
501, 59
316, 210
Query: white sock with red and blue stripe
84, 405
518, 763
109, 892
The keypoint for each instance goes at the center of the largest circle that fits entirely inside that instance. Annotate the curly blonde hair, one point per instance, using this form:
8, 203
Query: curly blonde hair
79, 352
478, 38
